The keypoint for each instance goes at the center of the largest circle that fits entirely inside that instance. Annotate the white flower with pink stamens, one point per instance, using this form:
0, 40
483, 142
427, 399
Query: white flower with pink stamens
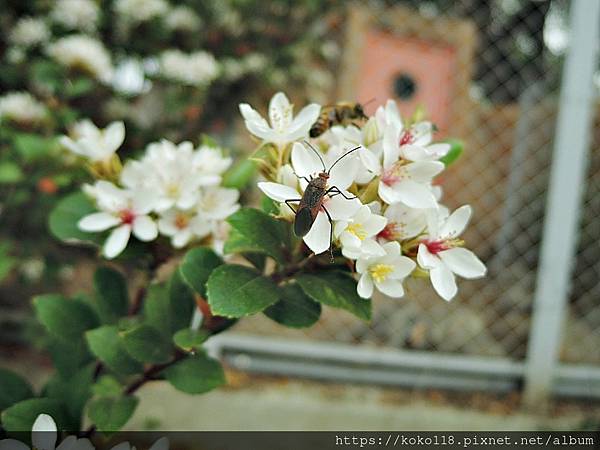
441, 252
123, 211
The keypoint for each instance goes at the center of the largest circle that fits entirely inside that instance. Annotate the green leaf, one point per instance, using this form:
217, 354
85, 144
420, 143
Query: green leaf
106, 344
456, 149
189, 339
238, 243
261, 231
335, 289
111, 294
7, 262
295, 309
69, 356
74, 391
240, 175
195, 374
33, 146
78, 87
111, 413
181, 302
157, 309
22, 415
107, 386
269, 205
258, 260
14, 388
65, 215
146, 344
196, 267
10, 172
237, 291
64, 318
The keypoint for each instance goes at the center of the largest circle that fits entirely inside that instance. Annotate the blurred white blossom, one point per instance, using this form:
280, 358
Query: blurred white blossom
89, 141
76, 14
29, 31
84, 53
136, 11
195, 69
22, 108
182, 18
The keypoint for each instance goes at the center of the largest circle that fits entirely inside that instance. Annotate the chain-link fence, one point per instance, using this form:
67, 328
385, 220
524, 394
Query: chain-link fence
502, 96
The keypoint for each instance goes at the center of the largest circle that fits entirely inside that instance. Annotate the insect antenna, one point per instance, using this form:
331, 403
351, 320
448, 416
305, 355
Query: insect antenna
340, 158
318, 154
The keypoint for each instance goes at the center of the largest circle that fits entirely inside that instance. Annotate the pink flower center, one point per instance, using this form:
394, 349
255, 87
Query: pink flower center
435, 247
406, 138
127, 216
389, 232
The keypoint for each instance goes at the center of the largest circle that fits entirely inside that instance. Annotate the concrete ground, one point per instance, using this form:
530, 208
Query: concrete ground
275, 404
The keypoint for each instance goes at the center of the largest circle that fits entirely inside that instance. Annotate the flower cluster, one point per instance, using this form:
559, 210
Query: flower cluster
21, 108
173, 190
381, 204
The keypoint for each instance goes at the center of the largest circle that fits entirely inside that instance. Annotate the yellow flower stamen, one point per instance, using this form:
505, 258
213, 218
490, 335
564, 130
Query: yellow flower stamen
357, 230
380, 272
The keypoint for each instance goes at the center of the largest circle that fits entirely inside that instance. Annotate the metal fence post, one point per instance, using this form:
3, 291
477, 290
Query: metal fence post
567, 179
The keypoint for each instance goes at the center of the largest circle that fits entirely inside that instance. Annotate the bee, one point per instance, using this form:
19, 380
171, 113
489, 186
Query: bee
344, 113
312, 200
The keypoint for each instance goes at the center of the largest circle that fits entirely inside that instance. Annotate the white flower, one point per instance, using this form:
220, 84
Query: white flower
441, 252
194, 69
28, 32
386, 273
124, 211
218, 203
91, 142
136, 11
357, 233
305, 164
182, 18
22, 108
183, 226
82, 52
76, 14
403, 222
43, 437
283, 127
210, 164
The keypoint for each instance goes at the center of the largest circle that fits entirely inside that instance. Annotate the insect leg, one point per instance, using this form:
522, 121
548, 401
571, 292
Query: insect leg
336, 191
330, 233
292, 200
302, 178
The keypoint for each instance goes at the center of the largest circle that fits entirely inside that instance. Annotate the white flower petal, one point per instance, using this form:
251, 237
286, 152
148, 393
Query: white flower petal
43, 433
443, 282
279, 192
160, 444
391, 149
181, 238
305, 161
99, 221
388, 194
341, 208
344, 172
403, 267
72, 443
114, 135
439, 150
370, 247
415, 195
456, 223
303, 121
365, 286
278, 107
375, 224
424, 171
144, 228
463, 262
392, 248
425, 259
318, 237
370, 160
391, 288
117, 241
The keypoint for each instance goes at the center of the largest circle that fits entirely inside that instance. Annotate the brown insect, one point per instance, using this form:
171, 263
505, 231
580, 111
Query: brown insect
312, 199
343, 113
